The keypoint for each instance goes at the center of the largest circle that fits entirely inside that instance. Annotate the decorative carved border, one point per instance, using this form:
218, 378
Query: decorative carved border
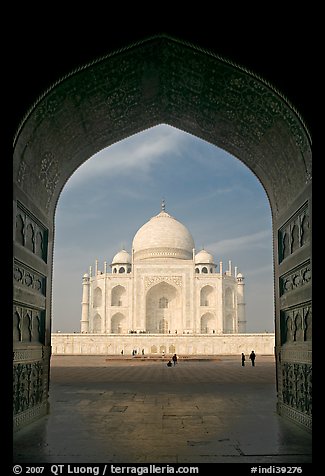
162, 253
294, 233
295, 278
28, 416
296, 323
153, 280
29, 278
296, 355
48, 174
28, 324
30, 383
296, 387
28, 355
298, 417
30, 232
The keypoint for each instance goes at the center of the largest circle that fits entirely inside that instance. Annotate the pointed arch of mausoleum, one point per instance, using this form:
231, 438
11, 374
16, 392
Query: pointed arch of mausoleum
97, 324
229, 297
208, 323
160, 81
229, 326
118, 323
118, 296
98, 297
208, 296
163, 308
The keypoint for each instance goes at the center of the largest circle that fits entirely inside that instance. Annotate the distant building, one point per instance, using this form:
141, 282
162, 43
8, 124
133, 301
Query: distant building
163, 287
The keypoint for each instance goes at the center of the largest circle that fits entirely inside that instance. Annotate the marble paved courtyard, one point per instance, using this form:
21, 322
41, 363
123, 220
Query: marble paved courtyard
128, 410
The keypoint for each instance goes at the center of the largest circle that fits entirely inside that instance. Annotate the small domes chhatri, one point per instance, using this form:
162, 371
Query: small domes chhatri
163, 237
165, 288
203, 257
122, 257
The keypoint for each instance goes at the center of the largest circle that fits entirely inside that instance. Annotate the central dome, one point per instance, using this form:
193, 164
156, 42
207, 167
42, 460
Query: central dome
163, 237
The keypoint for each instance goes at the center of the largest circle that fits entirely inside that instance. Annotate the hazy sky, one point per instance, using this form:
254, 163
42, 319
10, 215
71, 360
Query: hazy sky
119, 189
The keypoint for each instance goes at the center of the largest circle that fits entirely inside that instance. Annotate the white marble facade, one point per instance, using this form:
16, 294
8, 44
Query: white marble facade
163, 287
158, 345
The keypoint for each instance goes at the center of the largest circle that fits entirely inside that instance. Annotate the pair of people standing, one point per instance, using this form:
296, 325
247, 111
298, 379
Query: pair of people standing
252, 357
174, 359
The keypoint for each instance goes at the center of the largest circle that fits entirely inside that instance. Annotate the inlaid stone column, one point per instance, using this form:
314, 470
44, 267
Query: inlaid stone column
294, 311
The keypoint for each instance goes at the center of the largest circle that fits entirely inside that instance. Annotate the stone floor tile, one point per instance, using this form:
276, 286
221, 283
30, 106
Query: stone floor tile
104, 410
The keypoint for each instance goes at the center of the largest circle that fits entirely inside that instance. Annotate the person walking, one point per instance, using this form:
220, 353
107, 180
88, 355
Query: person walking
252, 357
243, 358
174, 358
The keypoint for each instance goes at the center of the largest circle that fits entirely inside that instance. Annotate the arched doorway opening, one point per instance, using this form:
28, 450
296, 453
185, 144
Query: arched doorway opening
163, 81
163, 309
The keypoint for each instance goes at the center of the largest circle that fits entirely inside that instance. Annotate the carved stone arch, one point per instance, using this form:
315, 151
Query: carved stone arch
208, 296
20, 229
26, 326
16, 327
30, 237
98, 297
163, 309
229, 297
118, 296
97, 324
208, 323
228, 325
39, 246
164, 81
36, 328
118, 323
172, 349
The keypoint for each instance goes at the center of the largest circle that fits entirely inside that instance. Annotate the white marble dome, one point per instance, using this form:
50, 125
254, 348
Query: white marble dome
122, 257
163, 237
203, 257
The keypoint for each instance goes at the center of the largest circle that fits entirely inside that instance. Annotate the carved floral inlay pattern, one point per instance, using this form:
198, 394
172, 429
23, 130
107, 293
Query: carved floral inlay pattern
295, 233
296, 278
296, 324
161, 81
30, 233
152, 280
297, 386
28, 385
29, 278
28, 324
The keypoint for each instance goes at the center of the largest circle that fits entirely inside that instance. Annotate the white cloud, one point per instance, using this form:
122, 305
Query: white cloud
229, 245
138, 153
263, 270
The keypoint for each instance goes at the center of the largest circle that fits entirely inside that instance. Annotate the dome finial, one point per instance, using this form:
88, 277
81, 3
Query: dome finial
163, 205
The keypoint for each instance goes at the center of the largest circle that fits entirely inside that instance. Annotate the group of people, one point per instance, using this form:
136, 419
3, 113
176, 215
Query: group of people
252, 357
174, 359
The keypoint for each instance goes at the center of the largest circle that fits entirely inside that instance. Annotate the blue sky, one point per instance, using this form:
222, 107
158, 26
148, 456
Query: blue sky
116, 191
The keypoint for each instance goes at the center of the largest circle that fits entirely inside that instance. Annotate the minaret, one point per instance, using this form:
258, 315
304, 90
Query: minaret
85, 304
241, 313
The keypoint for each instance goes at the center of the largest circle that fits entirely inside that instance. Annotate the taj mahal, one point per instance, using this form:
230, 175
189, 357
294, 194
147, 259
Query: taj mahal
163, 287
162, 297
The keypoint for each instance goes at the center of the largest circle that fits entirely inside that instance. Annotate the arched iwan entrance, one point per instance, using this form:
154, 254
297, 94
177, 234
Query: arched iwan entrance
157, 81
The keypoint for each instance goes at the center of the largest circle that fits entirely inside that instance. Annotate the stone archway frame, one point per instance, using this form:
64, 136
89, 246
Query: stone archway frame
164, 287
205, 315
160, 81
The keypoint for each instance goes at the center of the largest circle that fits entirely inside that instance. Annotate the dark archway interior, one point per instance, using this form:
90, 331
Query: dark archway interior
278, 57
163, 80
